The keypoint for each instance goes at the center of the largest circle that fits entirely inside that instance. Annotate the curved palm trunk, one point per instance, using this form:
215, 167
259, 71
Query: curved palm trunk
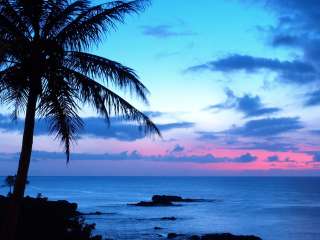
9, 229
26, 149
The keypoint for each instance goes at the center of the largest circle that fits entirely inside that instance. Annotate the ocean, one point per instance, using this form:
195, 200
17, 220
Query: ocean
274, 208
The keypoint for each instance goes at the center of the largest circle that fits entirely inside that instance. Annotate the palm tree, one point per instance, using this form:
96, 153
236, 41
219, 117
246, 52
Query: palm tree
9, 182
46, 70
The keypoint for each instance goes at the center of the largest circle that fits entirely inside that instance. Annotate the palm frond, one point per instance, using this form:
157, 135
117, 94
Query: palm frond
13, 90
58, 106
9, 30
107, 70
107, 103
61, 15
88, 27
10, 11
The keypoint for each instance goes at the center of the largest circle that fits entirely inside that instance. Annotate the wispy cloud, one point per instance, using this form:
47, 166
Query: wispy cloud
289, 71
316, 157
267, 127
316, 132
207, 136
250, 105
246, 158
177, 149
270, 144
312, 98
273, 158
165, 31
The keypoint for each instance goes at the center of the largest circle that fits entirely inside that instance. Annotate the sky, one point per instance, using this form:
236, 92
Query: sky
234, 88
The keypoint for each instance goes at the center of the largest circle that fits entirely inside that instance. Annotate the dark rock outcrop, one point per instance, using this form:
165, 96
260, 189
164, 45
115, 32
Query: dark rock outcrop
167, 201
168, 218
215, 236
51, 220
174, 235
91, 213
228, 236
153, 204
168, 198
194, 237
157, 228
96, 213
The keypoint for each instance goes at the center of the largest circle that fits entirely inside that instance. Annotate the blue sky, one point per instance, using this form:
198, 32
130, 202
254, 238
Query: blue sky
233, 83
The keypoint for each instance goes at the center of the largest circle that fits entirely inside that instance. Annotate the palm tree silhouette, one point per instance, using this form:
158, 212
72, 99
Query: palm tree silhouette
46, 71
9, 182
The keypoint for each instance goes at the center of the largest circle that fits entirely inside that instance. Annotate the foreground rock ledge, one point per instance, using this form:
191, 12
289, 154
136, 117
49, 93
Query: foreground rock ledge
41, 219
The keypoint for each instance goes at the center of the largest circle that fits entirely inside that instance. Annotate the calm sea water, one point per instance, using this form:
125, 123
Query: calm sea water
273, 208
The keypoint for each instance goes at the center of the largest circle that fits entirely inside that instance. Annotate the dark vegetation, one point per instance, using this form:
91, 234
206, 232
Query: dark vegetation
9, 182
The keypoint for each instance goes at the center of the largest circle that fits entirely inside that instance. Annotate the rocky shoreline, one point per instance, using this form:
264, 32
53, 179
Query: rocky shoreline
52, 220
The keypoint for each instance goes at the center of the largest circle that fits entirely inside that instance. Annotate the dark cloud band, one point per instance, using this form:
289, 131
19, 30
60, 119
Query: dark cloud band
134, 156
95, 127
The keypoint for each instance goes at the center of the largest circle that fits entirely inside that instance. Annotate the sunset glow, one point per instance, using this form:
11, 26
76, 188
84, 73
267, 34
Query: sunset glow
234, 89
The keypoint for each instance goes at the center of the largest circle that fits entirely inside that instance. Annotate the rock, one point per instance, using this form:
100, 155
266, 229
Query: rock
158, 228
215, 236
166, 200
169, 218
172, 235
223, 236
176, 236
194, 237
228, 236
97, 213
51, 220
153, 204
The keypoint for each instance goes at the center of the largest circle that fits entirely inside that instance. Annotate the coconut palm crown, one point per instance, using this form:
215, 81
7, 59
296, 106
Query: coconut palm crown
46, 70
